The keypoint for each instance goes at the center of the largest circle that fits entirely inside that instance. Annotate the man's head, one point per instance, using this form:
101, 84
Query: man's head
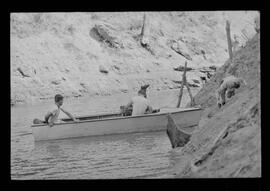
59, 100
142, 93
239, 82
145, 86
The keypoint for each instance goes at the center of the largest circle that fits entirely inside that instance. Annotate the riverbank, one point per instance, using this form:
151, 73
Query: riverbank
227, 142
89, 54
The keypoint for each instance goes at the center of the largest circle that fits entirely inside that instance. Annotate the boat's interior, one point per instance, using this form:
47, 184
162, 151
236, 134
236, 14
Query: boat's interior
108, 116
104, 116
92, 117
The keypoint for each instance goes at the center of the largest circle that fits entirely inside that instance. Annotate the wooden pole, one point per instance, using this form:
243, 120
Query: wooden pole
182, 86
143, 27
189, 91
184, 83
180, 95
143, 36
190, 95
229, 40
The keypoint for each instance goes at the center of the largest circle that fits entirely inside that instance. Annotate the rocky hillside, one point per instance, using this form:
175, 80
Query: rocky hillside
97, 53
227, 142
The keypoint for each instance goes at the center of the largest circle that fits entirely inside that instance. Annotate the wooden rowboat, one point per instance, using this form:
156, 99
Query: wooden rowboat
115, 123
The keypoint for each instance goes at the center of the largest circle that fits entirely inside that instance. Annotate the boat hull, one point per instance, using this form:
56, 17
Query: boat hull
117, 125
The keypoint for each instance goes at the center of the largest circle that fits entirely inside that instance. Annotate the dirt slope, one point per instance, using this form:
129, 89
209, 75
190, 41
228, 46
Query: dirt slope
66, 52
227, 142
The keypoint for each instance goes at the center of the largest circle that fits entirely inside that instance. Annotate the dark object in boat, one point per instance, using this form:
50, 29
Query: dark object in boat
156, 110
38, 121
153, 111
126, 111
177, 137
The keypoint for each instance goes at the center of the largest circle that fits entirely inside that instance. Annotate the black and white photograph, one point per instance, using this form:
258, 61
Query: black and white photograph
135, 95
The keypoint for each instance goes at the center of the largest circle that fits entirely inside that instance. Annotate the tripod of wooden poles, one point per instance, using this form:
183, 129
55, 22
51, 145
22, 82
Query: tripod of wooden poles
185, 83
177, 136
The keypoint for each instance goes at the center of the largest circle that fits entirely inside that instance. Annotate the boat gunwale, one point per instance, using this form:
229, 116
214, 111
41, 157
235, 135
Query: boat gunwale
116, 118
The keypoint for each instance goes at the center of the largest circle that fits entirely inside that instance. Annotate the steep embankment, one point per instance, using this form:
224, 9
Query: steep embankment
67, 52
227, 142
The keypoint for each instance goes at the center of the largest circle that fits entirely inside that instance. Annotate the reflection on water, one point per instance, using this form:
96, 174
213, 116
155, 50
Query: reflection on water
137, 155
54, 150
116, 156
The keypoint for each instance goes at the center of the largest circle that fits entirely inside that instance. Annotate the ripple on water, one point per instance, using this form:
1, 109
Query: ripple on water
139, 155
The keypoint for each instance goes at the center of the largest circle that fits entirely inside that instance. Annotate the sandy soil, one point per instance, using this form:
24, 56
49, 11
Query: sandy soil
65, 52
227, 142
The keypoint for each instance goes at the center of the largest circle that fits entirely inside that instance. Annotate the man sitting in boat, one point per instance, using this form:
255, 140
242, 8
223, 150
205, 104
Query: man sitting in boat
52, 116
139, 104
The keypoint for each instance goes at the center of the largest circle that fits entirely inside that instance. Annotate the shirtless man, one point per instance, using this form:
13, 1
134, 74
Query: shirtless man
52, 116
140, 104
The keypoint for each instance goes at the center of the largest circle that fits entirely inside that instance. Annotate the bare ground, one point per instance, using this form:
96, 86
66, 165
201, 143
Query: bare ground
64, 52
227, 142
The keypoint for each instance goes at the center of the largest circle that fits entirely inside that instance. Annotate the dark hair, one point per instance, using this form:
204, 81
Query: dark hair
145, 86
142, 92
58, 97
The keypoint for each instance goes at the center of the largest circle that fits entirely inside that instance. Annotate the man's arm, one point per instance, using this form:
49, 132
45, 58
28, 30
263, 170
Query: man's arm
129, 104
47, 116
69, 114
51, 117
149, 109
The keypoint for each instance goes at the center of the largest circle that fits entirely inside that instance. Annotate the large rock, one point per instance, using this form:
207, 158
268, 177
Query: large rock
102, 34
181, 49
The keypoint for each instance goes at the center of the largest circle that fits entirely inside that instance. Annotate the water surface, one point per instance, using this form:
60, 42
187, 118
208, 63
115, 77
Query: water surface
135, 155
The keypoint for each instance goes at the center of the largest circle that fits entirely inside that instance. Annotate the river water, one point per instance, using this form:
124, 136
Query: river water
135, 155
